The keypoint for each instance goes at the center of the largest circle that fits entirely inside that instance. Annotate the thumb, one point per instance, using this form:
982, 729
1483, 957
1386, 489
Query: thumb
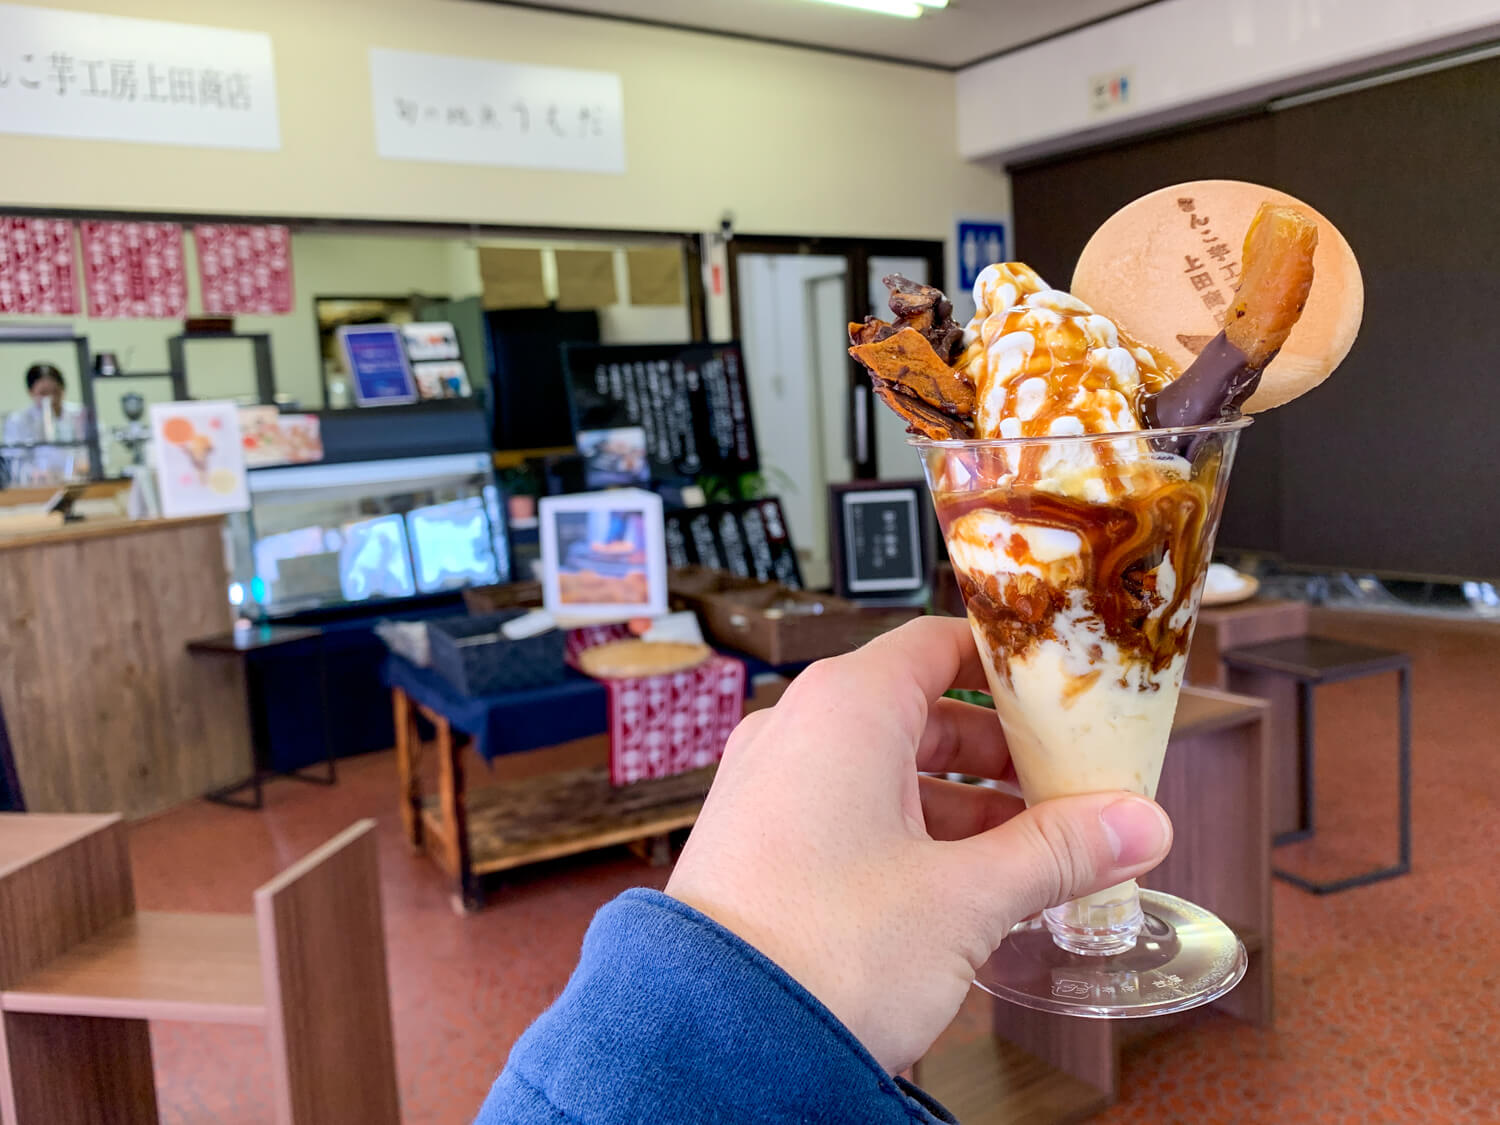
1061, 849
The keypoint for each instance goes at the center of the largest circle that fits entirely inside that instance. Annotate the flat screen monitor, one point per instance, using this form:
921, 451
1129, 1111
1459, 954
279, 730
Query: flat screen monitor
375, 561
452, 546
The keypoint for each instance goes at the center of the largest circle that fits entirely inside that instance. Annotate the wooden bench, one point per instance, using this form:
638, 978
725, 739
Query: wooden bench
81, 973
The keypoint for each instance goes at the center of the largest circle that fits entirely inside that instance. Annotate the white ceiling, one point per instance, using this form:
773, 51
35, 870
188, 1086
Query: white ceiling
964, 32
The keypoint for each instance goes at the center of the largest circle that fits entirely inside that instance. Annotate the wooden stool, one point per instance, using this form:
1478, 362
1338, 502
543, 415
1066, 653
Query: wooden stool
1307, 662
82, 972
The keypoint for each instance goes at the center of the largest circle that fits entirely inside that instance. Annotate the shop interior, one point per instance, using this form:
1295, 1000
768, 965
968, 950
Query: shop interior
354, 496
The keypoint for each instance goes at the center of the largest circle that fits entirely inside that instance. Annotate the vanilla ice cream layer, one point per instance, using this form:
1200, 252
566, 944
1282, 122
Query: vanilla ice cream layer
1081, 725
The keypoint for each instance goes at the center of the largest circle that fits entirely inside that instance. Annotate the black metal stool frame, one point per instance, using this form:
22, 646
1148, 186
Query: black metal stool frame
1265, 659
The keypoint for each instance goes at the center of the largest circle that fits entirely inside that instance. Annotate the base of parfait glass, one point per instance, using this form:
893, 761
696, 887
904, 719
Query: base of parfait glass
1183, 957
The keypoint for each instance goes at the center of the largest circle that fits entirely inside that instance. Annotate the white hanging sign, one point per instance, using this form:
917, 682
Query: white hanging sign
97, 77
459, 110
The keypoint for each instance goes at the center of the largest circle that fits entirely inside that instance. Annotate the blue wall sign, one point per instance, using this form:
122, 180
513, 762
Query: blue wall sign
980, 244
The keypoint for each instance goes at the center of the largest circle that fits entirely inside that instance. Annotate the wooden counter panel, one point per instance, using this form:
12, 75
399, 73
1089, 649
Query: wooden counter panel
106, 709
100, 529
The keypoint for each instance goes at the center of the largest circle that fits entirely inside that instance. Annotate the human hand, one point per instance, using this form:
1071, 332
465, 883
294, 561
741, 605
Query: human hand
880, 891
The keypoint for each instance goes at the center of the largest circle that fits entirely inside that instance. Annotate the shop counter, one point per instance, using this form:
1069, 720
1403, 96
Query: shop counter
104, 707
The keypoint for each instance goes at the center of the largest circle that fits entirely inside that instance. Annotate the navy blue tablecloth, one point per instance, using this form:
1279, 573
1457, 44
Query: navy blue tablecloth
516, 721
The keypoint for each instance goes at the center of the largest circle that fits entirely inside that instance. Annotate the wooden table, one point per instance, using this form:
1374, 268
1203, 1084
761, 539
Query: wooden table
473, 833
251, 647
1040, 1068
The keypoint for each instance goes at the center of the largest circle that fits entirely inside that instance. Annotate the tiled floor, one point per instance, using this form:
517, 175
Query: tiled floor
1387, 1006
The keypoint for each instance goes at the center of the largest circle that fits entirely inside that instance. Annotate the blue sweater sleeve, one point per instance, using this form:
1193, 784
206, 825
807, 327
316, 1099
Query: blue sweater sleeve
671, 1019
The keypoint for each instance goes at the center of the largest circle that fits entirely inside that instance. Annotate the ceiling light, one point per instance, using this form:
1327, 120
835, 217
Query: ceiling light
933, 3
907, 9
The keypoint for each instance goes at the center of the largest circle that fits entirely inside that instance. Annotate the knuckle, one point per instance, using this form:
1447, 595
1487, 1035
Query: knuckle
1065, 857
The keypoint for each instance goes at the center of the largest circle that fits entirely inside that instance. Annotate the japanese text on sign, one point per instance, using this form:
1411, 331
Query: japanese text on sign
78, 74
477, 111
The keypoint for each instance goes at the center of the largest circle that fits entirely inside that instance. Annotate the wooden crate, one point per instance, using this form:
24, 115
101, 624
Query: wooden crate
777, 624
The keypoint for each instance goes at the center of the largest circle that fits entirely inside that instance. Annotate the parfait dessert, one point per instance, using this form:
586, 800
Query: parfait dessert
1078, 478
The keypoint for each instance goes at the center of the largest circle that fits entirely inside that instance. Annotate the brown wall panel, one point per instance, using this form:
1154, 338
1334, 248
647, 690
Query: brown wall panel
1388, 466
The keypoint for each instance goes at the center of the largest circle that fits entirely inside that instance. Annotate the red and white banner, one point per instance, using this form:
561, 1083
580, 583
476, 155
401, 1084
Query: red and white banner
134, 270
245, 269
37, 273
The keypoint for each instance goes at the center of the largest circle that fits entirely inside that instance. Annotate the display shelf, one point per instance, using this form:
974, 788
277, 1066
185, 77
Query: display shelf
562, 814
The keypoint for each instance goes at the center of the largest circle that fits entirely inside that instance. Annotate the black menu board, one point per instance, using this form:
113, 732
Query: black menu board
692, 400
879, 538
749, 539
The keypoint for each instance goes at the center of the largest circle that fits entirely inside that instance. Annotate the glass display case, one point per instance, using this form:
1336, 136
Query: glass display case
43, 464
323, 536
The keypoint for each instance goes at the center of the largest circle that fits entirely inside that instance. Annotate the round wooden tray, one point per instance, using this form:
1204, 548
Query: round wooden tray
628, 660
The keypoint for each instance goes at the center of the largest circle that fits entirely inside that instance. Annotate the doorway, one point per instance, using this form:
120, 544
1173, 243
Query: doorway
816, 420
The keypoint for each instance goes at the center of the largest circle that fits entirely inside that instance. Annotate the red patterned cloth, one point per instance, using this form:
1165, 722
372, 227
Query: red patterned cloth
665, 725
134, 270
37, 273
245, 269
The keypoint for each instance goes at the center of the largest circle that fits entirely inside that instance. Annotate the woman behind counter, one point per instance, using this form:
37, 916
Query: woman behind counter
47, 419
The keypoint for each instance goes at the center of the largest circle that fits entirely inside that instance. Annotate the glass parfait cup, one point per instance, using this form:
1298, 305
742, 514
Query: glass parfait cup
1082, 560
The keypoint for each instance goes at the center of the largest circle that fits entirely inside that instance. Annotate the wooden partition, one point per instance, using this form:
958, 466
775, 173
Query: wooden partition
81, 972
106, 710
64, 879
328, 1004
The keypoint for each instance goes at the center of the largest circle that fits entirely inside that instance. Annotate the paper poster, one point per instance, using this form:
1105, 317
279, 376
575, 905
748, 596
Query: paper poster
244, 269
460, 110
614, 458
200, 458
134, 270
693, 401
273, 438
99, 77
443, 379
37, 272
430, 339
375, 357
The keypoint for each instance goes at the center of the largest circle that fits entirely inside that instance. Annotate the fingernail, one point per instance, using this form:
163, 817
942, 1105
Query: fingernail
1137, 829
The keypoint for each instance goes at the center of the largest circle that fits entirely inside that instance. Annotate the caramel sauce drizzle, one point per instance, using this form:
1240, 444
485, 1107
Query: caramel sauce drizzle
1159, 516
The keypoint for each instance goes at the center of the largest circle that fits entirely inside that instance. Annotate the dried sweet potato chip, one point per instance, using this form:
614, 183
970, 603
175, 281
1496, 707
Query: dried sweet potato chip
908, 360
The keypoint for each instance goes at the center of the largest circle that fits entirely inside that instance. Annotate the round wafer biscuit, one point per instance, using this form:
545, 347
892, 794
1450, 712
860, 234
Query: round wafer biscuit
1163, 266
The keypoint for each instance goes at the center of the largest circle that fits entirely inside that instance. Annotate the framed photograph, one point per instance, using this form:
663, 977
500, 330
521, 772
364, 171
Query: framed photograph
604, 556
881, 540
375, 357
